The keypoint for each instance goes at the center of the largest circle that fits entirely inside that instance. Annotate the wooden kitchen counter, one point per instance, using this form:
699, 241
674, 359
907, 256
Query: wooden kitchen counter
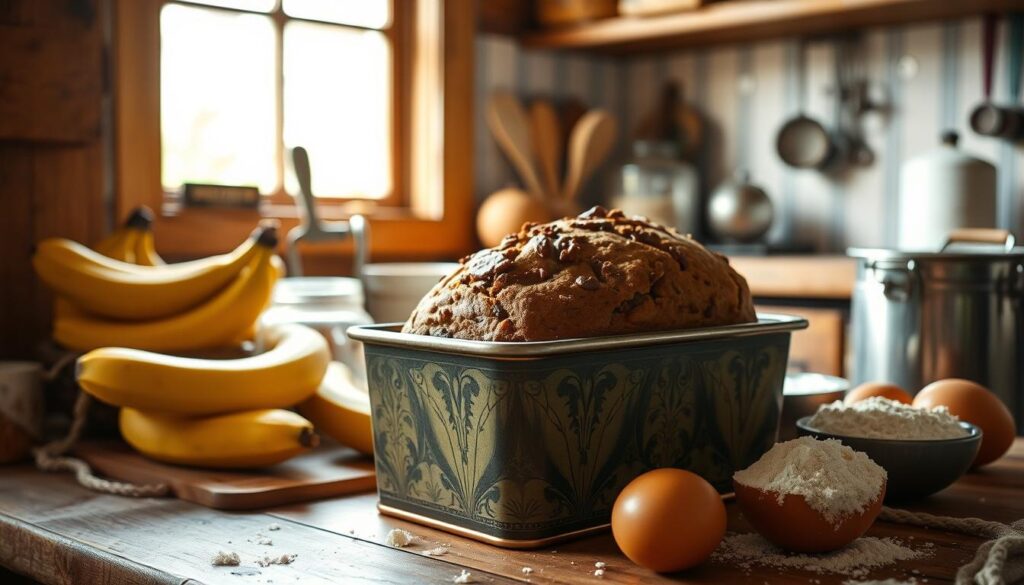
805, 277
57, 532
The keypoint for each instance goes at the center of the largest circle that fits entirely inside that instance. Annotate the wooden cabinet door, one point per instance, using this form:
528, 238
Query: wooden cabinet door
819, 348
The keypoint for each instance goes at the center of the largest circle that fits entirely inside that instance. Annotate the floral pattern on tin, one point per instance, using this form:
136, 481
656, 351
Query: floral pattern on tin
534, 447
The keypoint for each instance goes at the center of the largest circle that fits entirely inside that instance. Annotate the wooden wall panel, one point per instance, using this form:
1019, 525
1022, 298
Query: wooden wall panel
51, 161
45, 190
50, 71
928, 77
768, 79
506, 17
17, 283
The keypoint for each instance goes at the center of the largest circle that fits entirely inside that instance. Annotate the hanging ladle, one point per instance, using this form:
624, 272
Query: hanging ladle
987, 118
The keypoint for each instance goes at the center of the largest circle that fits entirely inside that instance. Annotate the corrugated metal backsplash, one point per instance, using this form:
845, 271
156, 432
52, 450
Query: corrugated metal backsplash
928, 76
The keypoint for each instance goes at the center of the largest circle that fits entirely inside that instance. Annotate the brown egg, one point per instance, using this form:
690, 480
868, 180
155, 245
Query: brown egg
883, 389
796, 526
977, 405
505, 211
668, 520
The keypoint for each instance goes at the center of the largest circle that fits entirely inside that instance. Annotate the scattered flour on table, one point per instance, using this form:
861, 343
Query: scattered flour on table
834, 479
463, 577
225, 559
885, 582
854, 560
264, 541
399, 538
285, 559
881, 418
274, 527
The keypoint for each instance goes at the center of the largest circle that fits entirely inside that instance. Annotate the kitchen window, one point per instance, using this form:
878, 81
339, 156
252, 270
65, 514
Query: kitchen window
219, 91
239, 88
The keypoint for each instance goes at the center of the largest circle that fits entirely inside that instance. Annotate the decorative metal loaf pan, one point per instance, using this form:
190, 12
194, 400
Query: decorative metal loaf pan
525, 444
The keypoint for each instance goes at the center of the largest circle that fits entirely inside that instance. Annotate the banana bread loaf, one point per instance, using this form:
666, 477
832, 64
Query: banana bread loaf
600, 273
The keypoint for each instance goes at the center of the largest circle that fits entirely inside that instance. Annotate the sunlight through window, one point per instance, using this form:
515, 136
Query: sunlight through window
221, 78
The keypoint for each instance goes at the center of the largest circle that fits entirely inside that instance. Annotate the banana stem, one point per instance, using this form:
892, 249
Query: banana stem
309, 438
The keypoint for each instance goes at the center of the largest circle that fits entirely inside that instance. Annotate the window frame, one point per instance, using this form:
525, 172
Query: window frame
429, 214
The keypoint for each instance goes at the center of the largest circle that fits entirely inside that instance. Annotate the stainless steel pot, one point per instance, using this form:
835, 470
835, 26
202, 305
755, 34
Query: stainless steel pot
921, 317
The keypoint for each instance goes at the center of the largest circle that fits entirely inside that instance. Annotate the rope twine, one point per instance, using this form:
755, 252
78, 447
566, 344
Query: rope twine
998, 561
50, 457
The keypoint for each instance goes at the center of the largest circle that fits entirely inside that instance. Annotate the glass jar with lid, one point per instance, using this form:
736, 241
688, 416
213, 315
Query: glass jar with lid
659, 186
328, 304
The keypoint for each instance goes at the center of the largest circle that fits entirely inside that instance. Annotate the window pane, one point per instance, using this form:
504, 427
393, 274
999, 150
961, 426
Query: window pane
364, 13
337, 104
254, 5
217, 98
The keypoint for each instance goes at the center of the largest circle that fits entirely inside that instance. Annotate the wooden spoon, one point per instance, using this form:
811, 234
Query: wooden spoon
511, 128
571, 111
590, 144
547, 144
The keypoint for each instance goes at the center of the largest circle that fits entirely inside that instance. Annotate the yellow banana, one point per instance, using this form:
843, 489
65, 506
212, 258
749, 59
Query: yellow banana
341, 410
118, 290
122, 243
277, 274
279, 267
288, 373
133, 241
215, 323
145, 251
252, 438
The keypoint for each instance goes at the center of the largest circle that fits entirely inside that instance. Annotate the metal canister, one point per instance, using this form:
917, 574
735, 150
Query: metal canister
921, 317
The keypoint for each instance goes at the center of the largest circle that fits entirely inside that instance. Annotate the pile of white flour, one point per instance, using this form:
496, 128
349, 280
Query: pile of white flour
881, 418
834, 479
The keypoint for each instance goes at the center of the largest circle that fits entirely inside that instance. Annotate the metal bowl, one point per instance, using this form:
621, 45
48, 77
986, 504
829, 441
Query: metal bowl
916, 468
803, 393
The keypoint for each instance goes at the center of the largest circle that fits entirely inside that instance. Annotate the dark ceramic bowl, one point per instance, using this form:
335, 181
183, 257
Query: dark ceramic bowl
802, 394
916, 468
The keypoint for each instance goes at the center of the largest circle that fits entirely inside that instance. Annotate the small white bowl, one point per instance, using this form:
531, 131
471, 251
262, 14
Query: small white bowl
393, 289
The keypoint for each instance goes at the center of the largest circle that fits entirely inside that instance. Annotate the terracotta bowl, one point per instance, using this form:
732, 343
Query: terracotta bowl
795, 526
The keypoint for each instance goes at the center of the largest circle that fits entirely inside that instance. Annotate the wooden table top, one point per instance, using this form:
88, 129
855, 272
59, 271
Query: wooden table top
57, 532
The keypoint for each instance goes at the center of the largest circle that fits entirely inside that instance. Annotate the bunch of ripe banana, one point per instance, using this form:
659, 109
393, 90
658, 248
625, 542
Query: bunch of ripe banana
213, 413
109, 300
122, 302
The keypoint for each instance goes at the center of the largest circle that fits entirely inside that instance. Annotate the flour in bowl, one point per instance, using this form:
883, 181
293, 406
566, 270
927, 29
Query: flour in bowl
835, 480
881, 418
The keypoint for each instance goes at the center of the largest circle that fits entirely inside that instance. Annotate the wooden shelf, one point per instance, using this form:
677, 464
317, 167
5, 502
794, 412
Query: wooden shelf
745, 20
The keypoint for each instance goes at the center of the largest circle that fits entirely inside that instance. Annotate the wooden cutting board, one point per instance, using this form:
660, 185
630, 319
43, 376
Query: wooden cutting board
329, 470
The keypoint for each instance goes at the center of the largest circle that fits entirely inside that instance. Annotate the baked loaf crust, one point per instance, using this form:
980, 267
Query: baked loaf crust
600, 273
